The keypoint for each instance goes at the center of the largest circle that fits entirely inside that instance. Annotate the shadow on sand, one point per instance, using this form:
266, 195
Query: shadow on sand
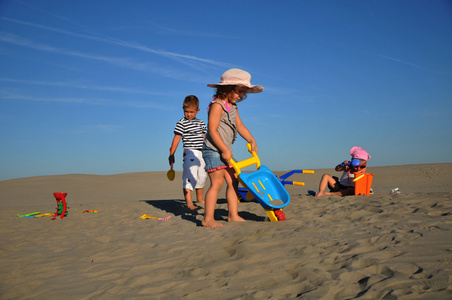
178, 208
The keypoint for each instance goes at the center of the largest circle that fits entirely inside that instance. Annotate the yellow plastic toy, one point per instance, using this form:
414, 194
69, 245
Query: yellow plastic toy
146, 216
44, 215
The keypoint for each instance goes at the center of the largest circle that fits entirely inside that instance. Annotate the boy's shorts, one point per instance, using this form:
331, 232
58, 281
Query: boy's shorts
194, 175
213, 160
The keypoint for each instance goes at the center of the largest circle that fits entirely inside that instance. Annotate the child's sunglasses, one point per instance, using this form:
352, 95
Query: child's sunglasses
361, 167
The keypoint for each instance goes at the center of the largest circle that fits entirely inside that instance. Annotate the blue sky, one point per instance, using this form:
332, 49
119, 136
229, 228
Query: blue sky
96, 87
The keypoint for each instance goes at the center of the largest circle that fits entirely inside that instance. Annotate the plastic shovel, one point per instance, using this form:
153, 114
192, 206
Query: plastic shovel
146, 216
44, 215
171, 174
29, 215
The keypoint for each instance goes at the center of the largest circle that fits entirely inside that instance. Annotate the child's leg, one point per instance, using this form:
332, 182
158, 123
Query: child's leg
231, 196
194, 176
216, 183
187, 178
188, 199
201, 181
202, 177
326, 181
200, 195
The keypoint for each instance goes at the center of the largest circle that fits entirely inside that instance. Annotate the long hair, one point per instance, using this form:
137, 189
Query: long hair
223, 91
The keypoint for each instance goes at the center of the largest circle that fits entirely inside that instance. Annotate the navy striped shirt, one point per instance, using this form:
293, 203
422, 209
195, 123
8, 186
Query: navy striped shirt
191, 132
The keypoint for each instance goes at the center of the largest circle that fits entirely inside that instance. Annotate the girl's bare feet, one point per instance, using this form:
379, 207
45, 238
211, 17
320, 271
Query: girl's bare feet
211, 223
236, 219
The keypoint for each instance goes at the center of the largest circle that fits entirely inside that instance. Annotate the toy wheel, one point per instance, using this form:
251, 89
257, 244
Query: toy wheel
280, 215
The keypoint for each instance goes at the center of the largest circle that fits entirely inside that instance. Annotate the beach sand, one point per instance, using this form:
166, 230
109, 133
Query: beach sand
382, 246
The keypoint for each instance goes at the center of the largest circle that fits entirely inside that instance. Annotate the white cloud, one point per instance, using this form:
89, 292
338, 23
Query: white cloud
13, 95
401, 61
90, 87
183, 58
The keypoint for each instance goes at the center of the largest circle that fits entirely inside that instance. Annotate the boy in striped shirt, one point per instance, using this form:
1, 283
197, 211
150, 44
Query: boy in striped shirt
192, 131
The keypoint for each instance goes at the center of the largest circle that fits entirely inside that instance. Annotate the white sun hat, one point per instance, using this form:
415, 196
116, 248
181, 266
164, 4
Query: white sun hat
237, 77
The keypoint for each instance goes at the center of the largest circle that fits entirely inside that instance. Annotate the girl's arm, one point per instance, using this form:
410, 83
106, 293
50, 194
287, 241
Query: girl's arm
245, 133
215, 113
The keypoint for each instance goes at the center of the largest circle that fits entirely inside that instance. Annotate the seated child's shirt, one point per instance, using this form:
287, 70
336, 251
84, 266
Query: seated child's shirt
192, 133
347, 179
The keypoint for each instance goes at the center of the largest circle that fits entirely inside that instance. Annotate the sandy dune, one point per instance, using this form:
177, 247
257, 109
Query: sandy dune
383, 246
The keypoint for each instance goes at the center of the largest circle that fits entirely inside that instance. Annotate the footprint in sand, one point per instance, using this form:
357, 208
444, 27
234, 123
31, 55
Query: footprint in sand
383, 254
355, 284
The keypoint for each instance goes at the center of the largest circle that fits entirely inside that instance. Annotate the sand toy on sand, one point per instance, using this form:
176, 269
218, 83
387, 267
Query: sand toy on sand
363, 183
246, 195
61, 209
146, 216
283, 177
266, 188
29, 215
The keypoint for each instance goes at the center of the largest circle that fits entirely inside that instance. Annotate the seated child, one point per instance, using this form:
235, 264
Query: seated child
345, 186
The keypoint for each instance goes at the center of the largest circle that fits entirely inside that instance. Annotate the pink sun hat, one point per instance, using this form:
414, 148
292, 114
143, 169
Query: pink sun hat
237, 77
360, 153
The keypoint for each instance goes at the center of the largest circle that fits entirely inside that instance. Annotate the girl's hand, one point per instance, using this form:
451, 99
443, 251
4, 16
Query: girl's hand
227, 155
253, 146
171, 159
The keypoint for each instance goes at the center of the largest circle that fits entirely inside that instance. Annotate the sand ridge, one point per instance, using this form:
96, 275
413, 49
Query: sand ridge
384, 246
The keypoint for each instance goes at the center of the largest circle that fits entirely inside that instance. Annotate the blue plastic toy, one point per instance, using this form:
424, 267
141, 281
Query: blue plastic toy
283, 177
246, 195
264, 186
354, 162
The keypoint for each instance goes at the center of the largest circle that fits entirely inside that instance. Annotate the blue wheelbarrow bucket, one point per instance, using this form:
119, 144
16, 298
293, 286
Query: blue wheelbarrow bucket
266, 188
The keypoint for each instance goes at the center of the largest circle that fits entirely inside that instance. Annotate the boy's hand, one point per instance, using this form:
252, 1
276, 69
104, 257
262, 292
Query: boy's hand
171, 159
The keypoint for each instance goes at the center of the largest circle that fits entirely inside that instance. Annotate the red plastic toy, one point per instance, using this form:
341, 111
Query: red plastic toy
280, 215
62, 205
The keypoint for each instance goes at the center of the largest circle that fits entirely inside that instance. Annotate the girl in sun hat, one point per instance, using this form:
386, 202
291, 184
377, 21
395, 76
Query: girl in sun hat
345, 186
237, 77
223, 125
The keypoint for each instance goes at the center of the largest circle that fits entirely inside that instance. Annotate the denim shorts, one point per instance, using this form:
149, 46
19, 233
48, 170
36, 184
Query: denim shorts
213, 160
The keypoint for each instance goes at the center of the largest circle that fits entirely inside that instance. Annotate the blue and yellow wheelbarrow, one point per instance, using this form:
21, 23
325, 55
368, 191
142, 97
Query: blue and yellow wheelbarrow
246, 195
263, 186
